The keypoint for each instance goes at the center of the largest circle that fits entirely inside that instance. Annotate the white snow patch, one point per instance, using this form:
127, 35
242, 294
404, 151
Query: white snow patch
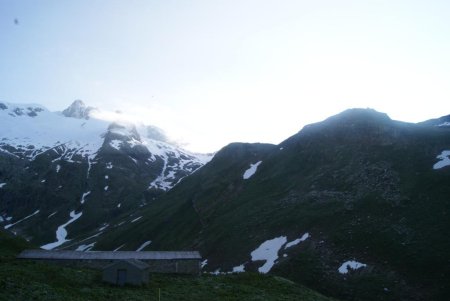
297, 241
109, 165
106, 188
106, 177
52, 214
103, 227
118, 248
136, 219
239, 269
58, 168
145, 244
118, 205
61, 232
26, 217
43, 181
445, 160
115, 144
281, 148
444, 124
216, 272
203, 263
83, 248
2, 185
354, 265
84, 196
268, 251
251, 171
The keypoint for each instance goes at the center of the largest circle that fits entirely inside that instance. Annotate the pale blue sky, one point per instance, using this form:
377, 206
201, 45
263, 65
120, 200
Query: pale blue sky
213, 72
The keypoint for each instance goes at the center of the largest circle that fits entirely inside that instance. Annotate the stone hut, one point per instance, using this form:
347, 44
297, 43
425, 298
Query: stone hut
175, 262
130, 271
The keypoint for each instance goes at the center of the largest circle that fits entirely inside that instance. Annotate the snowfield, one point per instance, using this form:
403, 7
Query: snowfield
48, 131
268, 251
33, 130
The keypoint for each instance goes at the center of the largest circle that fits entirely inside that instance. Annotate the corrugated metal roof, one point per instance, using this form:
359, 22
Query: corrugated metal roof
109, 255
134, 262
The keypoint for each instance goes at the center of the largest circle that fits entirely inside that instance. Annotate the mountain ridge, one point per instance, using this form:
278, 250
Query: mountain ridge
54, 165
355, 206
357, 189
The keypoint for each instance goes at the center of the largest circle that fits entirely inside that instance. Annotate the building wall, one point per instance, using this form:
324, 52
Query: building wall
135, 276
174, 266
185, 266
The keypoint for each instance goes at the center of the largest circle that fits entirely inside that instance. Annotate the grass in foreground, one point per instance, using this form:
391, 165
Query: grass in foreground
25, 280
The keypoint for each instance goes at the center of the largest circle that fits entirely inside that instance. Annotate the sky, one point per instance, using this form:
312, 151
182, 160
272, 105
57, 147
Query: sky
211, 72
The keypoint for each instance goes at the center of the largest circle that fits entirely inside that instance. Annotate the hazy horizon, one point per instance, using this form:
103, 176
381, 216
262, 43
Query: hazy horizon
214, 72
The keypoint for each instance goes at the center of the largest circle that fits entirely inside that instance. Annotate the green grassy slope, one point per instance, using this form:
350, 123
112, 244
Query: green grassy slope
26, 280
361, 184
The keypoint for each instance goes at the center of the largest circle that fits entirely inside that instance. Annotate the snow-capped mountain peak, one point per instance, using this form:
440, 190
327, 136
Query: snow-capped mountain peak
113, 167
75, 139
78, 109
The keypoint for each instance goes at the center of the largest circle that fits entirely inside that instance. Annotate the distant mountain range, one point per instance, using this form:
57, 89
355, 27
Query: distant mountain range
356, 206
52, 164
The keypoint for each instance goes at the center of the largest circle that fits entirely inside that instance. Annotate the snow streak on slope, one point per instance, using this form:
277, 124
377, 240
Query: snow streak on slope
136, 219
26, 217
251, 171
297, 241
83, 197
445, 160
61, 232
142, 247
84, 248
